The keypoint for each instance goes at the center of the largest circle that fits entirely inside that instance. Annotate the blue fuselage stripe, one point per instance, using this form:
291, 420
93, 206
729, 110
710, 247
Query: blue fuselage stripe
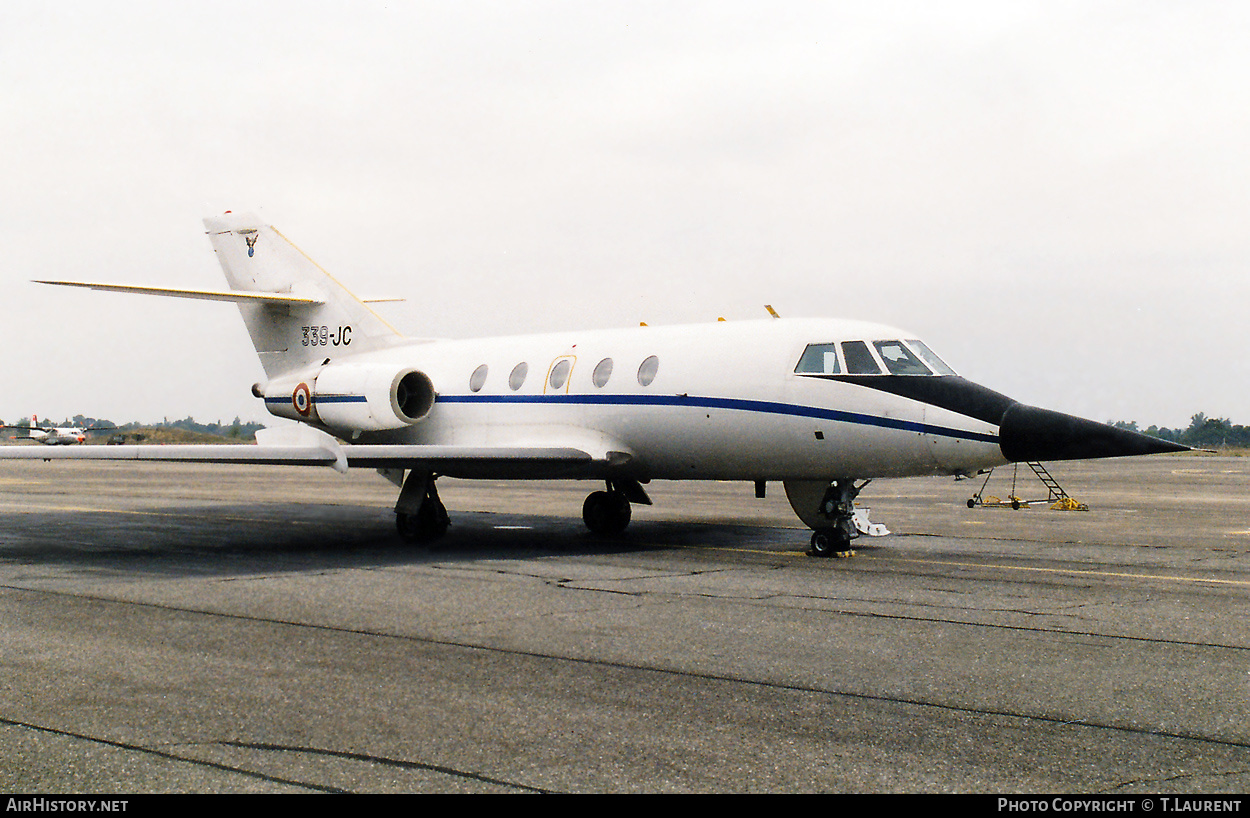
735, 404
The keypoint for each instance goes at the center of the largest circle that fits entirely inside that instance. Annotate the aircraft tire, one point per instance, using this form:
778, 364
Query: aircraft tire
827, 542
406, 525
606, 512
427, 525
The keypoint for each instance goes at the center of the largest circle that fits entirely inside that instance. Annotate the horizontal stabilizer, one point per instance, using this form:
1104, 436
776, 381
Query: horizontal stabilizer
237, 296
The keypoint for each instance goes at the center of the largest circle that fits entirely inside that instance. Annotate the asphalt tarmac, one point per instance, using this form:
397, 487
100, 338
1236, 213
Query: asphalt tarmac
180, 628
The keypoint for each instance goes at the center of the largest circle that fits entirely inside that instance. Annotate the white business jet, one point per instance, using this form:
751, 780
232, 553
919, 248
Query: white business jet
821, 405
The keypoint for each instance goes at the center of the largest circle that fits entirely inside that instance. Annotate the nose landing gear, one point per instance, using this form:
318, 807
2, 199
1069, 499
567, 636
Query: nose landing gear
837, 507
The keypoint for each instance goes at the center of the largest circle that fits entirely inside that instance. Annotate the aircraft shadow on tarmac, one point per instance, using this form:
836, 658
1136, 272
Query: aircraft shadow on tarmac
269, 538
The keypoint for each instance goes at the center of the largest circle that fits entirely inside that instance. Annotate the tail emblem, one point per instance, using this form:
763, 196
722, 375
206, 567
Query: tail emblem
251, 244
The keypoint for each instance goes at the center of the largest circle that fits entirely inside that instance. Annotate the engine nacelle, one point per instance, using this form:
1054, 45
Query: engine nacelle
353, 397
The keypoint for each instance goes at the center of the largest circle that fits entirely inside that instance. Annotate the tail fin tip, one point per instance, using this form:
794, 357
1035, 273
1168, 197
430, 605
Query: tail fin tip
230, 221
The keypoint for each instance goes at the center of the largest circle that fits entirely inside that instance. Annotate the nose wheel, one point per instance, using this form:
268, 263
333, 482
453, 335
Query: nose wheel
830, 542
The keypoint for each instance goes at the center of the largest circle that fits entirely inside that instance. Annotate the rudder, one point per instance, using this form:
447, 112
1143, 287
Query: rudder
255, 257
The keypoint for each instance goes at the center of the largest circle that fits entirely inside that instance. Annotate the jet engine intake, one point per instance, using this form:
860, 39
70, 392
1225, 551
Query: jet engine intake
353, 397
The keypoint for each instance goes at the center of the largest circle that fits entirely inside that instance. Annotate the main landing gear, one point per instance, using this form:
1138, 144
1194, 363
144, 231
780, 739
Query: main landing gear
837, 507
419, 515
609, 512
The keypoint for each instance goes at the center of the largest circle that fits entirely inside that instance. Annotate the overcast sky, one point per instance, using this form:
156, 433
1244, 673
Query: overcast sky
1055, 195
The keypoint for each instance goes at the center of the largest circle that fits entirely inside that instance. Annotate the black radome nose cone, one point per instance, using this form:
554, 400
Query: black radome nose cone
1028, 434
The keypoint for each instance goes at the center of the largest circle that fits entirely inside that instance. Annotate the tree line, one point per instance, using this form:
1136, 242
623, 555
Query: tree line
1203, 432
235, 429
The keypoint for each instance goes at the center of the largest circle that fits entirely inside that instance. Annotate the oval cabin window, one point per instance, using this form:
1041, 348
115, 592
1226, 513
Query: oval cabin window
646, 372
560, 373
478, 379
603, 371
517, 378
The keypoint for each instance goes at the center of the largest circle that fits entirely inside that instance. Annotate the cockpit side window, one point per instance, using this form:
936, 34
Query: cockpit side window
899, 359
859, 360
935, 363
819, 359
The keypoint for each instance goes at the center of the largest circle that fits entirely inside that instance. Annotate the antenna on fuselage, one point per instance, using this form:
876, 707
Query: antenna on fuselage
771, 311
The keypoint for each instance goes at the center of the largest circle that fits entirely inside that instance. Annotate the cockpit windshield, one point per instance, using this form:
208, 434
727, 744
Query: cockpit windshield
859, 360
898, 359
910, 357
935, 363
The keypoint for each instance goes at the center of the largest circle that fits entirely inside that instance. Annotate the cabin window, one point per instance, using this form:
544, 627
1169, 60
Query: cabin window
859, 360
478, 379
517, 378
935, 363
560, 373
603, 371
646, 372
819, 359
899, 359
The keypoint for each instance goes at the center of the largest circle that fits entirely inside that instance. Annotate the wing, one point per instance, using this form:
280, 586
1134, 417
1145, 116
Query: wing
495, 462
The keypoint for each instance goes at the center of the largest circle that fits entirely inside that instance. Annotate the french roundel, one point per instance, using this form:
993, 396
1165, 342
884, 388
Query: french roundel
302, 399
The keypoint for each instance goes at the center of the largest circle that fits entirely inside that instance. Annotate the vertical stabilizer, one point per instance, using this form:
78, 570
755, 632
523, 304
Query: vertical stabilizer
257, 258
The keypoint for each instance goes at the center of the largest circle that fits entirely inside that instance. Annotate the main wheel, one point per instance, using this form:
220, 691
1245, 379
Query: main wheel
606, 512
406, 525
428, 524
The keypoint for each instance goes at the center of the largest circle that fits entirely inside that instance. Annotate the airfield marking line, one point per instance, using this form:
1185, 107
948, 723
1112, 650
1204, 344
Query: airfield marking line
140, 513
89, 510
29, 509
1069, 571
1076, 571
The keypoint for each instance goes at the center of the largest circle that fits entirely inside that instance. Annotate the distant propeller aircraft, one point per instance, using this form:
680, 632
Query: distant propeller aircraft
51, 435
821, 405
